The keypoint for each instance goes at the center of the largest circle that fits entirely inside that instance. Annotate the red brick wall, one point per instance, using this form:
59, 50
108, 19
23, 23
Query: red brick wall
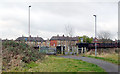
52, 42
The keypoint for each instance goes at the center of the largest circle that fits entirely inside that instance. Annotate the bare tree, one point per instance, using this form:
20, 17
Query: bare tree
69, 30
69, 33
104, 36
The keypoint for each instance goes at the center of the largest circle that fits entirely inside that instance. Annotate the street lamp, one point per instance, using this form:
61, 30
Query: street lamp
95, 35
29, 22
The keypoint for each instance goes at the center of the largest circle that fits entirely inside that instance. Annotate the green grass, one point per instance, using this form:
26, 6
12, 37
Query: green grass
59, 64
31, 65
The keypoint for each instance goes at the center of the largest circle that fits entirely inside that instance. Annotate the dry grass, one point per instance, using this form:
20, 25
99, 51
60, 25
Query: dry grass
110, 55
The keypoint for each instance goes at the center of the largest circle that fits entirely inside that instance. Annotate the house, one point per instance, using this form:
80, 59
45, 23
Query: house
34, 41
64, 43
31, 40
62, 40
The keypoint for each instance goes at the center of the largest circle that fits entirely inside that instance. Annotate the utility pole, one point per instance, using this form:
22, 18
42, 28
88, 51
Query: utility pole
29, 22
95, 35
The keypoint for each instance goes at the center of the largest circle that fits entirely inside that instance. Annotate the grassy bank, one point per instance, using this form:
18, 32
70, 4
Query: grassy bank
59, 64
18, 54
108, 59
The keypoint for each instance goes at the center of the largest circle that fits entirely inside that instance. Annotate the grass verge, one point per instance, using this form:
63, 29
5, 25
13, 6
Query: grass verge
59, 64
112, 58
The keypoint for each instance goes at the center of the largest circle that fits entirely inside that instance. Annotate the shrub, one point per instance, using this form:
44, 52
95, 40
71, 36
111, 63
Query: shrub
14, 53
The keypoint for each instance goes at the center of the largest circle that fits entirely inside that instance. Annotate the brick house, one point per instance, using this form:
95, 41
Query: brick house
64, 41
32, 40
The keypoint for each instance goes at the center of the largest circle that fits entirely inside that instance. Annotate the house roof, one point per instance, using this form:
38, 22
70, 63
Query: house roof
63, 38
38, 39
6, 40
75, 38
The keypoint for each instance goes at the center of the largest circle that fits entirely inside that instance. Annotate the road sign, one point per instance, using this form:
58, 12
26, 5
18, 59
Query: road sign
25, 39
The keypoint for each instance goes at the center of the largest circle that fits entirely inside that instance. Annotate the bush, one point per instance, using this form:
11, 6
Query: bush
14, 53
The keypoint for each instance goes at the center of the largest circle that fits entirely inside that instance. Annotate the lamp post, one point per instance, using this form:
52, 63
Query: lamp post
118, 38
29, 22
95, 35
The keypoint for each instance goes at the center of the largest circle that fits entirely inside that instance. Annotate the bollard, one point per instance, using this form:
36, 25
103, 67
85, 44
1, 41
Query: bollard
82, 50
61, 49
85, 50
77, 50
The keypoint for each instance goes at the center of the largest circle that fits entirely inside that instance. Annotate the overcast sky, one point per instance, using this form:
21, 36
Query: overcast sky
49, 18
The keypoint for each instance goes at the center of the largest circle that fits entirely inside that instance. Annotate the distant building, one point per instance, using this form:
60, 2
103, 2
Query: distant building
32, 40
7, 40
64, 41
60, 40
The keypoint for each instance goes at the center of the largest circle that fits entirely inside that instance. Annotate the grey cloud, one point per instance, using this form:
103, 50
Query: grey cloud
52, 17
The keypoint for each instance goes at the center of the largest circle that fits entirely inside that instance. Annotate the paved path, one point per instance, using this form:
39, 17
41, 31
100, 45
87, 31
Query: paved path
108, 67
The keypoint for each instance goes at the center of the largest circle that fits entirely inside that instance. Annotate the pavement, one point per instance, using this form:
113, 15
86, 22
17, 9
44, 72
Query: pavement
108, 67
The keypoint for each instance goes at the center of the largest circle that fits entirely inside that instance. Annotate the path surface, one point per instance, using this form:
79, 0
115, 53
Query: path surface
108, 67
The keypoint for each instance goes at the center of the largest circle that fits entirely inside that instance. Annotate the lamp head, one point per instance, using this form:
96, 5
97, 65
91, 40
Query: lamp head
29, 6
94, 15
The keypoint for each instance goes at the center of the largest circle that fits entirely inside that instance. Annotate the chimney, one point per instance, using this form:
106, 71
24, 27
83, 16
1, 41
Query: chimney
58, 35
63, 35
